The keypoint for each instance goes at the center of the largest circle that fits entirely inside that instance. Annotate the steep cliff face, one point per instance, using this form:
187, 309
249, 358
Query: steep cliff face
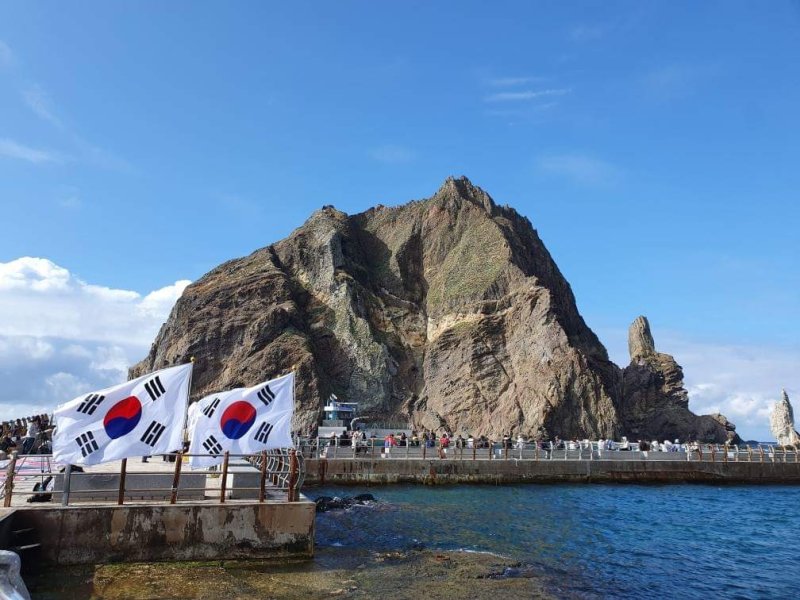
446, 312
654, 403
782, 422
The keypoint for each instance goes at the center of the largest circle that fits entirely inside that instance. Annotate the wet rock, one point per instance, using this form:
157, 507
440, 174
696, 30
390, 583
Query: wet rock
326, 503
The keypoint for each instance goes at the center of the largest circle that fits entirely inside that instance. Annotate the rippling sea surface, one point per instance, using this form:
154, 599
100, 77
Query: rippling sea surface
671, 541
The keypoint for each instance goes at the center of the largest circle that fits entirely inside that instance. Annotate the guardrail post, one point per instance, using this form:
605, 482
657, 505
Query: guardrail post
176, 478
292, 475
491, 449
506, 448
761, 451
65, 492
424, 449
713, 453
474, 449
224, 482
263, 481
123, 468
10, 480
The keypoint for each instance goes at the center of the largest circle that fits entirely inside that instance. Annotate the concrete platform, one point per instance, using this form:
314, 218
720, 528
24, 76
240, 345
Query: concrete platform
145, 532
449, 471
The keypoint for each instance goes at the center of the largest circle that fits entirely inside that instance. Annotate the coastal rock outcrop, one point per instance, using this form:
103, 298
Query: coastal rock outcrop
782, 422
655, 403
447, 312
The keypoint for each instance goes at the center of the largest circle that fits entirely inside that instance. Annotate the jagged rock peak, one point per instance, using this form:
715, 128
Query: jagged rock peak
640, 340
457, 189
782, 422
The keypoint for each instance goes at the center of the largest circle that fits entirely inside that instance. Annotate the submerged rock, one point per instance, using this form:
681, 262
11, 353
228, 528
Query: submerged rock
326, 503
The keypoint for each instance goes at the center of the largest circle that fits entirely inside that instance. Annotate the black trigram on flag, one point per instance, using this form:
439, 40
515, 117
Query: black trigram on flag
266, 395
155, 388
86, 443
212, 446
90, 404
262, 435
209, 410
152, 433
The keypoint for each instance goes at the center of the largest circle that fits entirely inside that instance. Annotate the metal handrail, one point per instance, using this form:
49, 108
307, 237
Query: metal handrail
722, 453
284, 470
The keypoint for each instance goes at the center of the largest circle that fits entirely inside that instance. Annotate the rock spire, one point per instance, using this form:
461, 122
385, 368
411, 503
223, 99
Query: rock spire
782, 422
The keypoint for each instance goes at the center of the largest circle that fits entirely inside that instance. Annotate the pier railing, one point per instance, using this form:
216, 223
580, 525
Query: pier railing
569, 451
269, 475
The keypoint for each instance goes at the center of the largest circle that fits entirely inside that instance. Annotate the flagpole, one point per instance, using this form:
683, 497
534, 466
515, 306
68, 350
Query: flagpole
294, 379
188, 401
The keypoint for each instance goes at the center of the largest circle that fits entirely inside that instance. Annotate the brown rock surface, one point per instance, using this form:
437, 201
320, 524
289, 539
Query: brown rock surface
446, 312
655, 405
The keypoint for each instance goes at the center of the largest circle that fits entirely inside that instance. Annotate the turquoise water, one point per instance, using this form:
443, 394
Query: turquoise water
625, 541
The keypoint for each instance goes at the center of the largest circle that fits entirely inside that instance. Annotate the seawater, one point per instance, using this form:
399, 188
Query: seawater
625, 541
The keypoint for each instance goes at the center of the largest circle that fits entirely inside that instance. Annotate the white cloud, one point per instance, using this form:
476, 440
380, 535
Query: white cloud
11, 149
61, 336
392, 154
582, 169
43, 299
39, 102
513, 81
525, 95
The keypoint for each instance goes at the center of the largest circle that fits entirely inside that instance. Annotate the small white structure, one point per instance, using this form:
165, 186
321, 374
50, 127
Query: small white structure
339, 411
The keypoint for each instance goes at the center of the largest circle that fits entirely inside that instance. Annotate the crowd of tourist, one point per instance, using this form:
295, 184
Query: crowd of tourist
442, 441
26, 436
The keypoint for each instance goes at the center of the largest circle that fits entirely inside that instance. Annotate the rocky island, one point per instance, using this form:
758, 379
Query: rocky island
447, 312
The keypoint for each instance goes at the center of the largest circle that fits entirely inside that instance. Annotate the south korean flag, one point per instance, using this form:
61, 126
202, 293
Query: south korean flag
141, 417
243, 421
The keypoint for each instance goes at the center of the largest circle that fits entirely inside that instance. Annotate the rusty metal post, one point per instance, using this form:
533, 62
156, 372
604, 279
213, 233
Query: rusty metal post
424, 449
725, 455
10, 480
292, 475
491, 449
123, 469
262, 485
474, 446
176, 478
224, 482
713, 457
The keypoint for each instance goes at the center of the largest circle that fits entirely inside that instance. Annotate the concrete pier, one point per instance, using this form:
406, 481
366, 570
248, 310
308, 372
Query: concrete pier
84, 534
449, 471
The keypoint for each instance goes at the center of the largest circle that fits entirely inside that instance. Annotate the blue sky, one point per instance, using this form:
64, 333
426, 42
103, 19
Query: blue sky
654, 145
